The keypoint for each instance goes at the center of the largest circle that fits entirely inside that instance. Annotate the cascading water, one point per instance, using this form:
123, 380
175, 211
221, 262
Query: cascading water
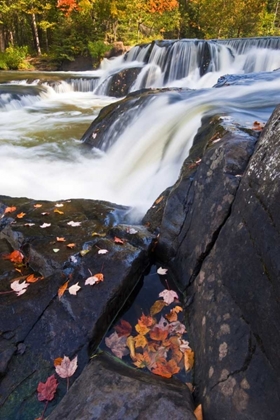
43, 116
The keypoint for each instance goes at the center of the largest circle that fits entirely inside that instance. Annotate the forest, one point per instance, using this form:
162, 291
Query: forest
58, 30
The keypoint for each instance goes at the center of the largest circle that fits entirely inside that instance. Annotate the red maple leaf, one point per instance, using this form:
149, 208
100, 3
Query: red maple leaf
47, 390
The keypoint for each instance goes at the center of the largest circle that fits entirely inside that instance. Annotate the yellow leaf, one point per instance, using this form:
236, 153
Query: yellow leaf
131, 346
198, 412
188, 359
58, 211
157, 307
140, 341
142, 329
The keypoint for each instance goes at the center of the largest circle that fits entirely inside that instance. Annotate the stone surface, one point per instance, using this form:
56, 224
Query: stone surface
38, 327
115, 391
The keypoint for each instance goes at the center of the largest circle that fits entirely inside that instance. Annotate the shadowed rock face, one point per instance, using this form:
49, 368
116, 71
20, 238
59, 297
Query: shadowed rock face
38, 327
220, 232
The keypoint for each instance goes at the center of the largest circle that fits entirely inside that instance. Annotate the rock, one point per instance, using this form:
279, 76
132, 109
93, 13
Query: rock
119, 84
118, 49
38, 327
109, 389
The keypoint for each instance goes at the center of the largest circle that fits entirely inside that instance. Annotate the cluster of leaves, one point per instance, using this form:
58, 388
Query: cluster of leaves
65, 368
157, 341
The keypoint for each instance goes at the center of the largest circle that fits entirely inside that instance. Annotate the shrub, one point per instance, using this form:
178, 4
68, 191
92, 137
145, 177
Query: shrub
15, 57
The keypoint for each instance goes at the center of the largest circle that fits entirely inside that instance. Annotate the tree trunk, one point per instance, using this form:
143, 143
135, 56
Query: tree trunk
36, 34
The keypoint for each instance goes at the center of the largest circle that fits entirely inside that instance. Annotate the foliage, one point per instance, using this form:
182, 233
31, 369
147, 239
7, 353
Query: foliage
14, 58
97, 49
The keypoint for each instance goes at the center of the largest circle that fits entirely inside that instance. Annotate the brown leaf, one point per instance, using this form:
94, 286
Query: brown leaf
124, 328
62, 289
118, 240
172, 316
188, 359
32, 279
99, 276
60, 239
15, 257
71, 246
198, 412
159, 199
21, 215
166, 369
67, 367
142, 360
157, 307
131, 345
47, 390
147, 321
158, 334
57, 361
9, 209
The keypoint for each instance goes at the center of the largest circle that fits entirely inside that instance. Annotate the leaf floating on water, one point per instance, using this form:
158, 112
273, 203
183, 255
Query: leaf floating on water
74, 289
117, 345
131, 346
47, 390
140, 341
173, 314
157, 307
188, 359
166, 368
142, 329
74, 224
62, 289
67, 367
21, 215
45, 225
162, 271
158, 334
9, 210
15, 257
123, 328
103, 251
148, 321
168, 296
57, 361
18, 287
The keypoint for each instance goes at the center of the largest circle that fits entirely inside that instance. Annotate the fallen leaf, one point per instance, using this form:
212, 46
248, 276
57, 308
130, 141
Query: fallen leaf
157, 307
177, 328
74, 289
123, 328
162, 271
73, 259
37, 206
71, 246
15, 257
140, 341
117, 345
163, 324
45, 225
168, 296
132, 231
173, 314
188, 359
29, 224
18, 287
62, 289
60, 239
56, 249
92, 280
198, 412
159, 200
103, 251
98, 234
131, 345
59, 205
118, 240
9, 209
58, 211
21, 215
166, 368
45, 213
83, 252
57, 361
67, 368
142, 329
142, 360
47, 390
145, 320
184, 345
32, 279
74, 224
158, 334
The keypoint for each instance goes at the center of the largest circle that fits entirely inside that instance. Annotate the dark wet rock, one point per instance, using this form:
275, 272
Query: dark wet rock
38, 327
118, 49
79, 63
115, 391
119, 84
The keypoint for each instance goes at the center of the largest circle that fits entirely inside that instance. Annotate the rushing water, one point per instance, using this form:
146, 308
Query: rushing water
43, 116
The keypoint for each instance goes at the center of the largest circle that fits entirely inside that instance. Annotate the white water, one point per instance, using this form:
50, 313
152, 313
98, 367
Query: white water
39, 135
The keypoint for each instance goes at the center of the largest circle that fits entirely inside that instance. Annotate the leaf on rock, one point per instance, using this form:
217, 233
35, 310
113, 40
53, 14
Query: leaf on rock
74, 224
157, 307
21, 215
62, 289
74, 289
84, 252
198, 412
67, 368
102, 235
123, 328
103, 251
140, 341
71, 246
32, 279
59, 205
162, 271
18, 287
117, 345
47, 390
159, 199
158, 334
29, 224
15, 257
56, 249
58, 211
37, 206
188, 359
97, 278
132, 231
9, 209
168, 296
57, 361
45, 225
60, 239
166, 368
118, 240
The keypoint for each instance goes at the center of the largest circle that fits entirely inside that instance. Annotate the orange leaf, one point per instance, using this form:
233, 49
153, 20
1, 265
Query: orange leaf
124, 328
172, 316
157, 307
147, 321
166, 369
158, 334
15, 257
60, 239
37, 206
140, 341
118, 240
99, 276
9, 209
198, 412
142, 329
57, 361
71, 246
62, 289
21, 215
188, 359
32, 279
142, 360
